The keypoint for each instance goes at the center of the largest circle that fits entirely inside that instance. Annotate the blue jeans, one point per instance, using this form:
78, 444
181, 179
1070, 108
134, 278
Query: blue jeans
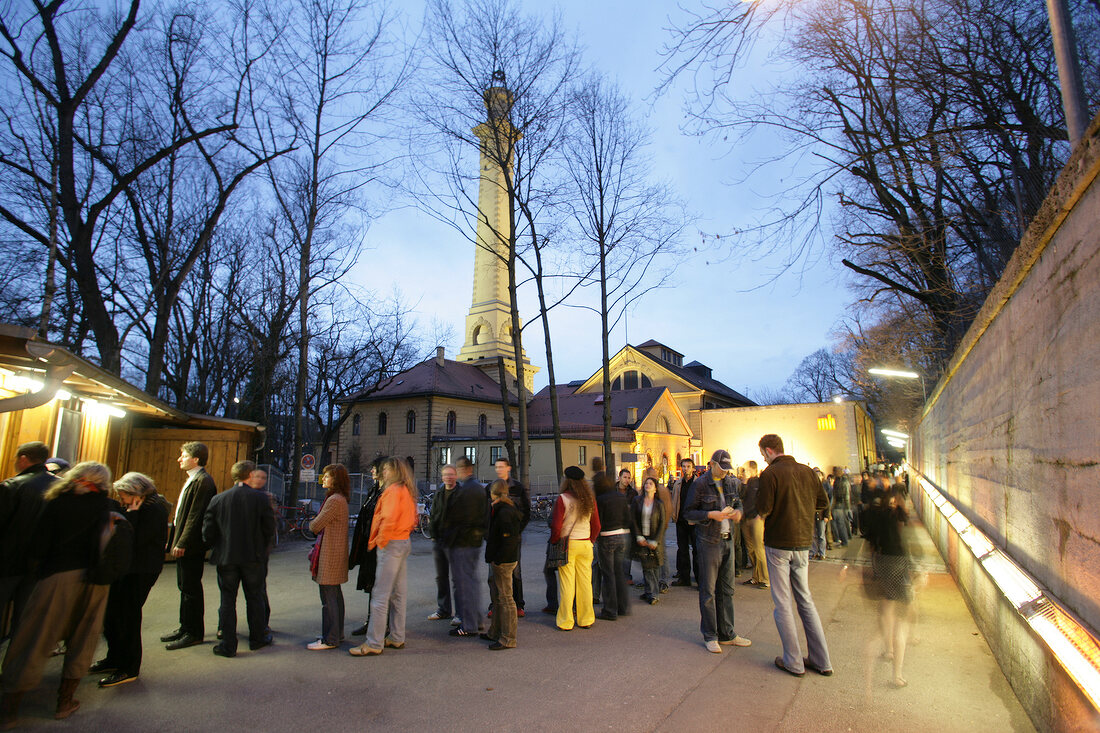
715, 568
790, 586
841, 519
442, 580
818, 549
332, 614
387, 600
468, 605
616, 599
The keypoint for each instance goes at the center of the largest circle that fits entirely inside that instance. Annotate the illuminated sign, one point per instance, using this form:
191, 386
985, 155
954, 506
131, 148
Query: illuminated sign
826, 423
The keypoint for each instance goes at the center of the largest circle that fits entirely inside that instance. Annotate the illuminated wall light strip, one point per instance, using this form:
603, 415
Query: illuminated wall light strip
959, 521
1079, 663
1071, 644
978, 543
1013, 582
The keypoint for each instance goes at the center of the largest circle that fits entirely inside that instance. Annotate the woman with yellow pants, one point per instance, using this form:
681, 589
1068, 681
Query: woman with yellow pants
575, 516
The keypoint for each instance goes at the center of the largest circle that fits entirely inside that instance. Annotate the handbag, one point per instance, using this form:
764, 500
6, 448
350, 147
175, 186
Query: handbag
557, 553
315, 554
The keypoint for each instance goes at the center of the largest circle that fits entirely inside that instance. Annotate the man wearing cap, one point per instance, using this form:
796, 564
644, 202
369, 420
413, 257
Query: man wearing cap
790, 494
713, 506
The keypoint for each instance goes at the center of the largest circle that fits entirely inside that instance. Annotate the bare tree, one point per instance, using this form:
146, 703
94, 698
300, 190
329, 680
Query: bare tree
487, 56
934, 125
65, 142
626, 221
340, 73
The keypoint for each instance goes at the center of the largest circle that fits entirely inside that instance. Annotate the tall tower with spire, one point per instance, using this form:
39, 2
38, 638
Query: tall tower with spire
489, 323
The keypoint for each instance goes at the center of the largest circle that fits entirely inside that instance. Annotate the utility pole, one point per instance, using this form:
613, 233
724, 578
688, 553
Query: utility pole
1069, 70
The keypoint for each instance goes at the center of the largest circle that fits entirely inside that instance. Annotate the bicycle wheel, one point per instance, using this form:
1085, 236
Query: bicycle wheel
425, 528
303, 526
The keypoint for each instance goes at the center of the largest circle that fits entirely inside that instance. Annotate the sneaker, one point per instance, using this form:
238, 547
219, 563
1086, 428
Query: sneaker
319, 645
363, 651
437, 616
391, 644
520, 613
116, 679
456, 621
459, 631
712, 647
735, 641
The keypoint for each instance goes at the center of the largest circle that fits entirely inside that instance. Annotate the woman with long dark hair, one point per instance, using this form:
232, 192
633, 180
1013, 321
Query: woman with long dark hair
64, 603
650, 520
366, 559
394, 520
331, 526
575, 516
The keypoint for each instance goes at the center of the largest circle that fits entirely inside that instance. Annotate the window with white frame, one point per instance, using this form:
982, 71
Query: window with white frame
470, 452
495, 453
582, 455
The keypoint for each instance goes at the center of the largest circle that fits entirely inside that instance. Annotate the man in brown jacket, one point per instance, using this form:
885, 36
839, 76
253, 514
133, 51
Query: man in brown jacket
789, 496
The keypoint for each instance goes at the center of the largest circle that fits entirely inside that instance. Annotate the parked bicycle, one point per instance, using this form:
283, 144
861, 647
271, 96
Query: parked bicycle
542, 506
290, 519
423, 515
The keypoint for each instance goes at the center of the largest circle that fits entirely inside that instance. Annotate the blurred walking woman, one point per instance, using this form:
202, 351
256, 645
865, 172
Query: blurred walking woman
331, 526
63, 604
575, 516
147, 512
394, 519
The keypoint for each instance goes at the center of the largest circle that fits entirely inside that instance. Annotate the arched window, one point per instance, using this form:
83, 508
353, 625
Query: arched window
476, 335
630, 379
482, 425
452, 423
381, 423
662, 425
617, 384
646, 382
410, 421
355, 427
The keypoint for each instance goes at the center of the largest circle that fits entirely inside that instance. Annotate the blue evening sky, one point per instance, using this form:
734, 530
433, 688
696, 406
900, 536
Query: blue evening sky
718, 308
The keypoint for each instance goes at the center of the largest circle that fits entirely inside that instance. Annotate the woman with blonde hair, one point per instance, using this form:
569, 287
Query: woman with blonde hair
393, 522
575, 517
64, 603
331, 569
502, 554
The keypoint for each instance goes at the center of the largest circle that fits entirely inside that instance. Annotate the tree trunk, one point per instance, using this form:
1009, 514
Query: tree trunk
559, 459
509, 442
51, 258
608, 450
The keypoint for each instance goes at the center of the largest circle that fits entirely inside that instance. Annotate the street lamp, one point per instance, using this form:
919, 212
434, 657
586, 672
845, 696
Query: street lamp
894, 434
1069, 71
900, 374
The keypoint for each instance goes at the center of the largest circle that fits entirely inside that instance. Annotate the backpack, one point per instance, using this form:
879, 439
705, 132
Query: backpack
114, 550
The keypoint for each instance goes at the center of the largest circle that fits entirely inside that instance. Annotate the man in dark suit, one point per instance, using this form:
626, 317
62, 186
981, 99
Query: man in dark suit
238, 527
186, 544
20, 505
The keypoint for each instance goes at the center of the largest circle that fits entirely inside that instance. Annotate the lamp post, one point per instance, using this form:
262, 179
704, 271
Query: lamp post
1069, 70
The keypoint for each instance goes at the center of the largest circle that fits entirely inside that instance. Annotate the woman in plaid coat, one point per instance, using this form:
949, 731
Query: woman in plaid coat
332, 561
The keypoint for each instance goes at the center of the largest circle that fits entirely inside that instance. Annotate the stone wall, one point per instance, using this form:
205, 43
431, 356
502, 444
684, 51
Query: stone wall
1012, 432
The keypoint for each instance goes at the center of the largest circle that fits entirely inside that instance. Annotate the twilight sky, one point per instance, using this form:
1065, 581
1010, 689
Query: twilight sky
718, 309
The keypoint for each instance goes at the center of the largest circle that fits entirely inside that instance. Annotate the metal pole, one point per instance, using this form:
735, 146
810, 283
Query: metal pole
1069, 70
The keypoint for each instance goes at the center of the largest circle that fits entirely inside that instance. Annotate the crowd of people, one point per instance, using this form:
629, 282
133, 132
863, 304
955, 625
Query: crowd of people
80, 555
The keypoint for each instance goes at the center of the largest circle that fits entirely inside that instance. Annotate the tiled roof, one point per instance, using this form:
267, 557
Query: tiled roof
586, 409
698, 380
454, 379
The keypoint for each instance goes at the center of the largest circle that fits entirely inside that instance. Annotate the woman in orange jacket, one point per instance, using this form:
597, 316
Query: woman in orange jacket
394, 519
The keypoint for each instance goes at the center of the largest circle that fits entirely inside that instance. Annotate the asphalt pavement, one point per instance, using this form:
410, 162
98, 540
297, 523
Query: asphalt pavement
645, 672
